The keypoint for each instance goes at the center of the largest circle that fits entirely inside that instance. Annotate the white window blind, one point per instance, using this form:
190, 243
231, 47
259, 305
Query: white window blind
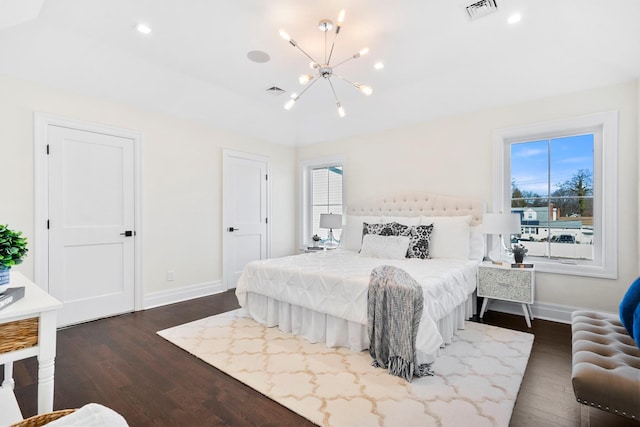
326, 197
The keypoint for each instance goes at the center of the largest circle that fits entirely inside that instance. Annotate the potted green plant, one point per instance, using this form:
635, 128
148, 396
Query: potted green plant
519, 251
316, 240
13, 248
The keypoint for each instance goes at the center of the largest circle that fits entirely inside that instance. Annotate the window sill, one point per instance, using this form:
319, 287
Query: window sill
572, 268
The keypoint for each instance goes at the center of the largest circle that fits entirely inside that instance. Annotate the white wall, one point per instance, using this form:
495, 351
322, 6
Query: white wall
181, 174
182, 177
454, 156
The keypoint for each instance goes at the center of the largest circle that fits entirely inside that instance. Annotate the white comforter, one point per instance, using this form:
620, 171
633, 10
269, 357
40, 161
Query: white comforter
336, 283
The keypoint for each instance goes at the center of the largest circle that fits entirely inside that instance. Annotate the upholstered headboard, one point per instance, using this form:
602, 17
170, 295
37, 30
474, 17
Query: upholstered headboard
427, 204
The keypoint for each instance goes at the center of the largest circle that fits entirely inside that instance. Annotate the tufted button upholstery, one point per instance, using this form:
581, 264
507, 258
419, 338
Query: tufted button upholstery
426, 204
606, 364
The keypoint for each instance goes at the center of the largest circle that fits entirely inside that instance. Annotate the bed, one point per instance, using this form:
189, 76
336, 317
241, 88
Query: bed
322, 296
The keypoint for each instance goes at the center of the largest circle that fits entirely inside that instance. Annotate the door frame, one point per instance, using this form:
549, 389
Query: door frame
41, 203
227, 154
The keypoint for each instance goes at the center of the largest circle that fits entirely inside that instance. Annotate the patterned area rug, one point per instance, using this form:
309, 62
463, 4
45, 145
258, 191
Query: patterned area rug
476, 380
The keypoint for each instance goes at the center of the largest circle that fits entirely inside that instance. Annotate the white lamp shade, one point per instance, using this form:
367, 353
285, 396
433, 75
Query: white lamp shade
501, 223
331, 221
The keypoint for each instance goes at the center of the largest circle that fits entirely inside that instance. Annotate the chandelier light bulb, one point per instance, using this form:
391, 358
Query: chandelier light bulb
341, 112
284, 35
341, 18
289, 105
367, 90
363, 51
304, 79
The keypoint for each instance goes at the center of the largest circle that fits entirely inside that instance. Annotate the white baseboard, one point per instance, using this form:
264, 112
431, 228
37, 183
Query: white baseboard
171, 296
545, 311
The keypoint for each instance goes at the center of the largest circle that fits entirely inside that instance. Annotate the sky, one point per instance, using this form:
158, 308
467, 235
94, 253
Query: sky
532, 162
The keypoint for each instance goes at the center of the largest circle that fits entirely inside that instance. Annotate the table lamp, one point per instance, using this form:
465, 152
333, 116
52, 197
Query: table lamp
501, 224
331, 221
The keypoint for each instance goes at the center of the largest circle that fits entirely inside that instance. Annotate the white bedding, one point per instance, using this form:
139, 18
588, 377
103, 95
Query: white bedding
335, 283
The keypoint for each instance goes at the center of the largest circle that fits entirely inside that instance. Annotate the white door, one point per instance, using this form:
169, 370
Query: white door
244, 213
91, 223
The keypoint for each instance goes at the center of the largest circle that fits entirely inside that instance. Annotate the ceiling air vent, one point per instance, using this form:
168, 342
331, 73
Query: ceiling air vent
275, 90
481, 8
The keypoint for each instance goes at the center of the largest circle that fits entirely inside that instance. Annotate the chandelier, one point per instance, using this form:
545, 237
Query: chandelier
324, 70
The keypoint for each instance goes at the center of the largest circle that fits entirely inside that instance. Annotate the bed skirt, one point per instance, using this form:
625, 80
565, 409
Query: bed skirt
335, 332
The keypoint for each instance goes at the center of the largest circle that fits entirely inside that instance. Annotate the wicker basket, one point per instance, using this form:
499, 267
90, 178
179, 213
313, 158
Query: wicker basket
19, 334
42, 419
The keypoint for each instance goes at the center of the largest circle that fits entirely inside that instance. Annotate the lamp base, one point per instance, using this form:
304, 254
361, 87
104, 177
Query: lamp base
331, 242
500, 255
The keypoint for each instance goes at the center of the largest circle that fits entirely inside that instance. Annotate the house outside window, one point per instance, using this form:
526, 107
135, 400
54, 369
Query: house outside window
561, 178
322, 186
552, 190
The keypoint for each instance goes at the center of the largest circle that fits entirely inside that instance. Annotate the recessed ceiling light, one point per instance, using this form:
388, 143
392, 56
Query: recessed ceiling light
258, 56
378, 66
143, 29
516, 17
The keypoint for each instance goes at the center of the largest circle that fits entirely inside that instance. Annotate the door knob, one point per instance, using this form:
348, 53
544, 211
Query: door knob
232, 229
128, 233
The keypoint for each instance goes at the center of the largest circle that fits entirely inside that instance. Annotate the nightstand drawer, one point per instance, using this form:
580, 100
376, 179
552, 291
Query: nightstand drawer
506, 284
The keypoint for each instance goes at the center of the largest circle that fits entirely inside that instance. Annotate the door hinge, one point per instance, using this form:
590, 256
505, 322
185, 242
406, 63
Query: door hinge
48, 224
266, 177
266, 220
47, 148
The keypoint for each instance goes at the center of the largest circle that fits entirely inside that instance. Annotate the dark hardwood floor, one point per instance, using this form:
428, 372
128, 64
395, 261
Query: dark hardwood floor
122, 363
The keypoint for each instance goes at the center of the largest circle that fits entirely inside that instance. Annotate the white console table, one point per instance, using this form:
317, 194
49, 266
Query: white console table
35, 314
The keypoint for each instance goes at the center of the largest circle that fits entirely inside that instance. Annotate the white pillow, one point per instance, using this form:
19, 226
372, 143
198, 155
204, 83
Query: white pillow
477, 246
450, 237
351, 238
404, 220
388, 247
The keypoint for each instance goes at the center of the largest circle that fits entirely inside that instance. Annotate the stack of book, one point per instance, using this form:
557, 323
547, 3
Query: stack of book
521, 265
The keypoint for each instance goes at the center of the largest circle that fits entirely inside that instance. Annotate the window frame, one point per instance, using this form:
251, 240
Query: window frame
306, 210
605, 183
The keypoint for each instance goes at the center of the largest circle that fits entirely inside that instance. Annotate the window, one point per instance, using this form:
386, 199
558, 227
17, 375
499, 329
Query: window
322, 186
561, 178
552, 190
326, 197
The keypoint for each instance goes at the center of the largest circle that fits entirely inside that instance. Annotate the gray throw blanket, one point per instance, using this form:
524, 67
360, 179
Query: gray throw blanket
394, 310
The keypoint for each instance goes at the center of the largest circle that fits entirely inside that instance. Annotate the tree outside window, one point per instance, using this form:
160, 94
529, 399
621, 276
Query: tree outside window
552, 188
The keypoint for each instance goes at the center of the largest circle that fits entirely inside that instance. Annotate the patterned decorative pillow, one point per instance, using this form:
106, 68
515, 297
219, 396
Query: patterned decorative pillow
419, 241
379, 229
401, 229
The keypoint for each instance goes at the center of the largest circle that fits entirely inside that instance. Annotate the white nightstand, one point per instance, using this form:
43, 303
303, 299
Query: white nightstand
507, 284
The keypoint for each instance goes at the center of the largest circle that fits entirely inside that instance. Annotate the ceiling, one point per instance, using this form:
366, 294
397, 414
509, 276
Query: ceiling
437, 61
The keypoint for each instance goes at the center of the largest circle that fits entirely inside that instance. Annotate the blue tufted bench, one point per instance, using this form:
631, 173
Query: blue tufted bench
606, 365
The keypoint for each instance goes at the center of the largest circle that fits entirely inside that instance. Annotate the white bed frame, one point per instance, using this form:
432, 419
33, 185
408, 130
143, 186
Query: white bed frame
340, 332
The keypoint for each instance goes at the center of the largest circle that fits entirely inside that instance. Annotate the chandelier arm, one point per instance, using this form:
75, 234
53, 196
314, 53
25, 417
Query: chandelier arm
332, 44
346, 80
325, 48
345, 61
305, 53
334, 91
311, 83
367, 90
